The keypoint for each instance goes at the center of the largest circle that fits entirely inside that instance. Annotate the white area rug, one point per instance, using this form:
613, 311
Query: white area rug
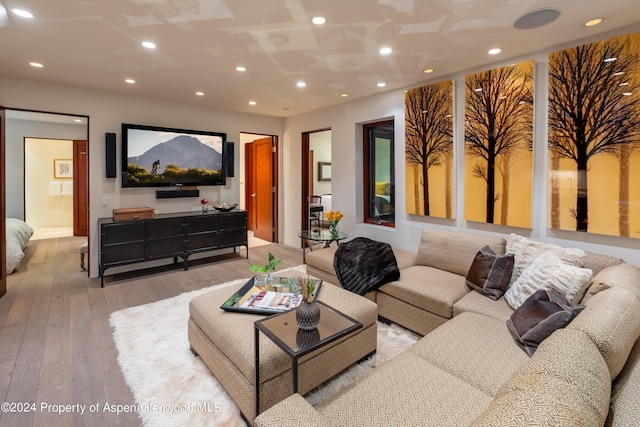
172, 387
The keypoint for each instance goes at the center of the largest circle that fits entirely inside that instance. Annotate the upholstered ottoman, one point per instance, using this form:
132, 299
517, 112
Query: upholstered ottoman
225, 342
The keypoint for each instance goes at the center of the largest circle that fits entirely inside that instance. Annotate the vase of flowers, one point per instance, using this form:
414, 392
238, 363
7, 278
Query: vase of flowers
205, 205
308, 312
334, 218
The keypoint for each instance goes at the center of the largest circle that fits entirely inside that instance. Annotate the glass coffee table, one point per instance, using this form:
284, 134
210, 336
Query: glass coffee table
283, 330
320, 236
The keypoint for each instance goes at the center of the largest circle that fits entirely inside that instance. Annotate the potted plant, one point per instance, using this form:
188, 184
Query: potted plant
308, 312
270, 266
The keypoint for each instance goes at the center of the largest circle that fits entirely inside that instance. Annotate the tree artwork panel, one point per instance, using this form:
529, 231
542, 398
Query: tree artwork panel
594, 137
429, 150
498, 145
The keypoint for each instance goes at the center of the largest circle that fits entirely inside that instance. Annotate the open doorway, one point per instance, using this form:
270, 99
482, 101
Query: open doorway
260, 185
47, 153
316, 176
20, 125
48, 187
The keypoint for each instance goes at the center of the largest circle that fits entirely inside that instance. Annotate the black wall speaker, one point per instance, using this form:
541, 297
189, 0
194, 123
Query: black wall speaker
110, 155
229, 154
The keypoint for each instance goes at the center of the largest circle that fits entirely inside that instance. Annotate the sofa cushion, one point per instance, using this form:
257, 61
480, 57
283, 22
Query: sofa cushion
539, 316
453, 251
474, 302
549, 272
475, 348
625, 398
322, 258
612, 320
526, 251
490, 274
383, 399
429, 288
625, 275
598, 262
566, 383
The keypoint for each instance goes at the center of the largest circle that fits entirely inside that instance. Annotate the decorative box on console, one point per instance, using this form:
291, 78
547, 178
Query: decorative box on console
133, 214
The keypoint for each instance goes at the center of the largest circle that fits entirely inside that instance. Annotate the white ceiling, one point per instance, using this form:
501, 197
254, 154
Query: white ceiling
97, 44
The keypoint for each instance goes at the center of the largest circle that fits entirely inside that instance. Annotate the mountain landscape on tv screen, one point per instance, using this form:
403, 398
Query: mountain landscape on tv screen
184, 151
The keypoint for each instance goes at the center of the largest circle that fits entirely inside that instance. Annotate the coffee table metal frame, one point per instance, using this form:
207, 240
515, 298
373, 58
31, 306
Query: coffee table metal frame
282, 329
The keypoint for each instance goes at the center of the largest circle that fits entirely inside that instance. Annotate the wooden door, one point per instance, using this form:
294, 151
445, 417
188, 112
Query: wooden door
265, 189
3, 211
80, 189
250, 186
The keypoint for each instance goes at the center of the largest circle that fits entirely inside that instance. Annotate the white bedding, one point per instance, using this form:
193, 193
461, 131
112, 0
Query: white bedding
18, 234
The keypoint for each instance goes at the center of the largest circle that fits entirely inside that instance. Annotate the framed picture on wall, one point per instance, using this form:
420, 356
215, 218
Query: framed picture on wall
62, 168
324, 171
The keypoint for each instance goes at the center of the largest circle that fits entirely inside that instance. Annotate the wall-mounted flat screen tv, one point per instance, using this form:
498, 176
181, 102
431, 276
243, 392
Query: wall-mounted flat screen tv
157, 157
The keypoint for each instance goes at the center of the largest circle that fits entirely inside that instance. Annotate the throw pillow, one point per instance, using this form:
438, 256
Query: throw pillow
549, 272
526, 251
541, 314
490, 274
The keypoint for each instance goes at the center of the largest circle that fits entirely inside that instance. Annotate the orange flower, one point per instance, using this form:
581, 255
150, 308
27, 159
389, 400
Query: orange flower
333, 217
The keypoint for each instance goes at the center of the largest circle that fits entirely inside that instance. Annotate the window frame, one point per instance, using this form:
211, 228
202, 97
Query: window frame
369, 132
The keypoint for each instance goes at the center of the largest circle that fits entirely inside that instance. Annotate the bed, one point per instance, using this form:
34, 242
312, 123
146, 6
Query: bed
18, 234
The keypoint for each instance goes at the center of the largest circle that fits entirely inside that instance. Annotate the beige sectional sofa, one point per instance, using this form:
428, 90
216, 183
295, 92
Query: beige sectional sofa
468, 369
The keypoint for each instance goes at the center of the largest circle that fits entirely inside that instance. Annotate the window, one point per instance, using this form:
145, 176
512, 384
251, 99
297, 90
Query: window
379, 183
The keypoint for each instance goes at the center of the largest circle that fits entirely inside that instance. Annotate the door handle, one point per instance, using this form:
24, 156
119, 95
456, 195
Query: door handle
253, 194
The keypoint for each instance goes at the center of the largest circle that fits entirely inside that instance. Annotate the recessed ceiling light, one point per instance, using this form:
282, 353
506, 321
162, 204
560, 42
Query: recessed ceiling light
593, 22
22, 13
495, 51
252, 102
241, 68
77, 120
318, 20
130, 81
149, 45
344, 95
36, 64
200, 93
428, 70
382, 84
385, 51
301, 84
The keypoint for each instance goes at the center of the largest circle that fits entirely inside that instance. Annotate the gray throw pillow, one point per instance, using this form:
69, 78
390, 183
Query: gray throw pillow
539, 316
490, 274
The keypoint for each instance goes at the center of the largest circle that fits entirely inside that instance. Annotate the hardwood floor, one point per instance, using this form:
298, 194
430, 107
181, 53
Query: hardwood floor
56, 345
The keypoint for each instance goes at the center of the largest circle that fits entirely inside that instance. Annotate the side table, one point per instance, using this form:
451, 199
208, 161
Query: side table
283, 330
320, 236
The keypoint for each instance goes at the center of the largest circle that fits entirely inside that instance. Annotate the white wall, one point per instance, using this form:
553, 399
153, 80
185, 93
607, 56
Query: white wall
107, 111
320, 143
44, 207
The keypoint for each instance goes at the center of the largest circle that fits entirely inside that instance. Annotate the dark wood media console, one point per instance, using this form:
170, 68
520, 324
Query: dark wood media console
169, 236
